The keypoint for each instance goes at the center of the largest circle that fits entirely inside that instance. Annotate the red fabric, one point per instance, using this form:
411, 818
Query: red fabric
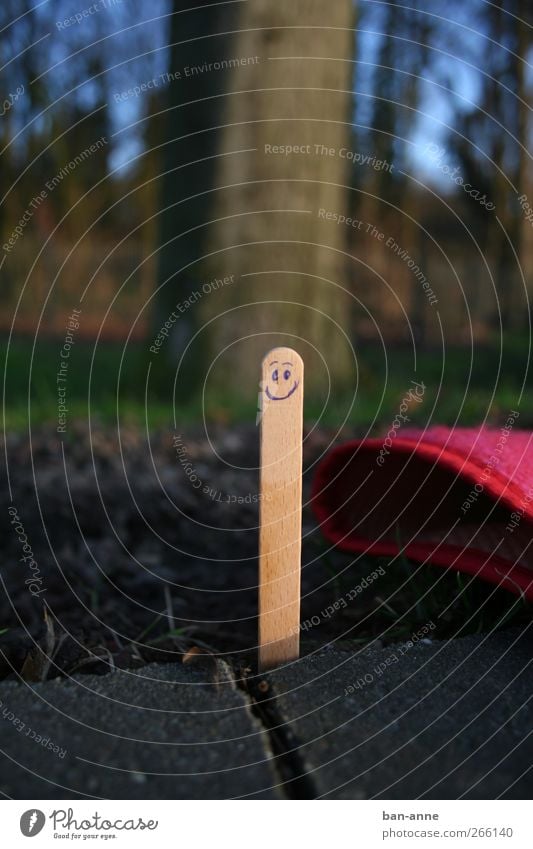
460, 498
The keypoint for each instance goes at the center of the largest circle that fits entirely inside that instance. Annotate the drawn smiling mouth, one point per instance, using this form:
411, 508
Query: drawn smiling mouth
281, 397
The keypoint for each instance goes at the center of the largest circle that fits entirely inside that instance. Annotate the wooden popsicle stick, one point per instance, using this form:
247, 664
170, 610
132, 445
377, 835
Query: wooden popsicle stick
280, 532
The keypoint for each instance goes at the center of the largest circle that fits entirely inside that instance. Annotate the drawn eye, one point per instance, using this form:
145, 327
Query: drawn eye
286, 374
275, 375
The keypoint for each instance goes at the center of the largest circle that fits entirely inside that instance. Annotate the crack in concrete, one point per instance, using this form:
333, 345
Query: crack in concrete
287, 763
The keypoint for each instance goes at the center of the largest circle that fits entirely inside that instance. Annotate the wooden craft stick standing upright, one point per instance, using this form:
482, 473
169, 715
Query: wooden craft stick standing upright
281, 507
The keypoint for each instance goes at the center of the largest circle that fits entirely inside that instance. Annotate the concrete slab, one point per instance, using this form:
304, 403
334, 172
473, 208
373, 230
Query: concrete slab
166, 731
432, 721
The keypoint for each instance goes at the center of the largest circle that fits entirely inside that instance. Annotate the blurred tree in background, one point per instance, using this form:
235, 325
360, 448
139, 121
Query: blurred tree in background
289, 261
194, 111
498, 134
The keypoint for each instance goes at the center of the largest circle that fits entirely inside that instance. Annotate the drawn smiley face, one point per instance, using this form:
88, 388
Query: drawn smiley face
282, 384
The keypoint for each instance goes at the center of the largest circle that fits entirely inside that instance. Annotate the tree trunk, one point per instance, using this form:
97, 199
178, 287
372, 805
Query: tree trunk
194, 98
523, 229
292, 88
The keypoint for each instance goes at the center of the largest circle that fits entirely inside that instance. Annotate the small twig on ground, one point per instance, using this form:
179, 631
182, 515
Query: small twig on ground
169, 609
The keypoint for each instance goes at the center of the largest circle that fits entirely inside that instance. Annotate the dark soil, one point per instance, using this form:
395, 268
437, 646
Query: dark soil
140, 556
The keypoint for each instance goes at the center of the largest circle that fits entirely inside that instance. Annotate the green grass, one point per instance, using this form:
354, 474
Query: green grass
409, 596
457, 390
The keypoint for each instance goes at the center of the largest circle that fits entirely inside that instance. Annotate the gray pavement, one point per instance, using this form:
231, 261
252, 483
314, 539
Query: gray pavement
433, 721
428, 720
165, 731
